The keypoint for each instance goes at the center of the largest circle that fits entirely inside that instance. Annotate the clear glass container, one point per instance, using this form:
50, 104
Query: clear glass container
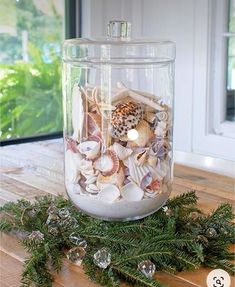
118, 123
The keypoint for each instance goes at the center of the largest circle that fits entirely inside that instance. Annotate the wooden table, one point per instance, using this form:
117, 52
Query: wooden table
36, 168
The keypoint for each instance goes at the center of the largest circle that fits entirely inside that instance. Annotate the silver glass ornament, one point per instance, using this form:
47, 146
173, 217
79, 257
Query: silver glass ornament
36, 236
211, 233
76, 255
63, 213
53, 230
77, 240
147, 268
102, 258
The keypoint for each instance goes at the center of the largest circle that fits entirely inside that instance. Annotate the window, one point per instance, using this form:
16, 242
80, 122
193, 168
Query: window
31, 34
230, 106
213, 106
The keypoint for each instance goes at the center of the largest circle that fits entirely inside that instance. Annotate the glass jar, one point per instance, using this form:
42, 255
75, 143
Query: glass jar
118, 123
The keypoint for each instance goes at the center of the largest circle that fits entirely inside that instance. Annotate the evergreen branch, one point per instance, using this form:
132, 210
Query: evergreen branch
173, 242
134, 276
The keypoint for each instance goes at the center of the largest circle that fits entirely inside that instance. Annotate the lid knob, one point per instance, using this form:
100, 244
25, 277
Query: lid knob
119, 29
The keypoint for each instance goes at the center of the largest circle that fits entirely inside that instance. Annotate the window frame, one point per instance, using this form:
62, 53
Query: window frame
73, 29
219, 44
208, 138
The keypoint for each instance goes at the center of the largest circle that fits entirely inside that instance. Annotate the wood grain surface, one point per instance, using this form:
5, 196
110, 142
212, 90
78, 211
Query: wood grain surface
32, 169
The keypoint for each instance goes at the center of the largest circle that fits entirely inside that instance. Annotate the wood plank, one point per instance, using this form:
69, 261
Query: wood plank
36, 168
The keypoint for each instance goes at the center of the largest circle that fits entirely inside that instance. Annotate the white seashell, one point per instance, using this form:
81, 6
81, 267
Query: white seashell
161, 129
77, 112
90, 148
121, 151
91, 179
132, 192
137, 173
72, 166
109, 193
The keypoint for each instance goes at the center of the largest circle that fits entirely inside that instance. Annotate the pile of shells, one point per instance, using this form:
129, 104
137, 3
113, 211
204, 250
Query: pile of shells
120, 145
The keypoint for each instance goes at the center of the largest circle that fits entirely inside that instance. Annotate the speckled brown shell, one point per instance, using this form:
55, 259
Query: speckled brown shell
125, 117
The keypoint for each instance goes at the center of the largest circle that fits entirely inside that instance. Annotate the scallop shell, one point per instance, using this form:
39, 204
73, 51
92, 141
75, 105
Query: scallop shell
145, 134
137, 173
126, 116
132, 192
72, 166
109, 193
116, 178
90, 149
121, 151
108, 163
77, 112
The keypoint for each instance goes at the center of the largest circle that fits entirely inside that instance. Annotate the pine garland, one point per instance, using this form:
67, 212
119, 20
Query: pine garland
175, 238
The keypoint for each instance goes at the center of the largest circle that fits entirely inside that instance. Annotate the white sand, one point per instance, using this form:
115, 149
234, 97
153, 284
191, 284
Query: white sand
119, 210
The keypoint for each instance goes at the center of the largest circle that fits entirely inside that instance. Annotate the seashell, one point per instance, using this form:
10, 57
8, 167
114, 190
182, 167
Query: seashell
162, 116
116, 178
142, 98
145, 134
132, 192
146, 180
90, 148
72, 166
71, 144
92, 188
154, 185
86, 167
161, 129
91, 179
150, 117
137, 173
141, 157
108, 163
121, 151
160, 148
93, 124
125, 117
77, 112
109, 193
152, 160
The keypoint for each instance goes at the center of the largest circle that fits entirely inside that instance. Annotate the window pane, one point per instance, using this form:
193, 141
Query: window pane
230, 116
31, 32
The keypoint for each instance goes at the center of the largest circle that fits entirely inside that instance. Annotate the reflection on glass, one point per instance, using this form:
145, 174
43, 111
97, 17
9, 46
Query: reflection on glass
31, 32
230, 115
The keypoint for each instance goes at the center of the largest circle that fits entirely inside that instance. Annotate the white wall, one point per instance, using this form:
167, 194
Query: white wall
179, 21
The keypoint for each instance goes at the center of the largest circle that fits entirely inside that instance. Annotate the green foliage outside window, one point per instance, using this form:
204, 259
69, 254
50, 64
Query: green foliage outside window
31, 32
